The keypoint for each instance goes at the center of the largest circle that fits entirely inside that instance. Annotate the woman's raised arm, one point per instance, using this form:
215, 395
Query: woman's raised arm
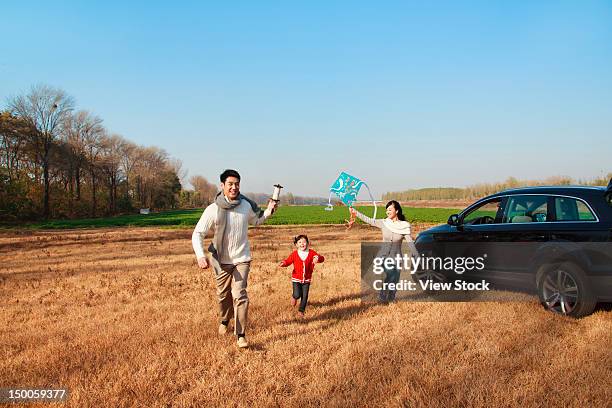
373, 222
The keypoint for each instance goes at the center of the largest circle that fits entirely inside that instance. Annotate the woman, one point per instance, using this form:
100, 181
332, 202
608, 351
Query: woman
395, 229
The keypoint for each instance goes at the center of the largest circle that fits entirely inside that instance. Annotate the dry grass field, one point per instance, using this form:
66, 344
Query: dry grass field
123, 317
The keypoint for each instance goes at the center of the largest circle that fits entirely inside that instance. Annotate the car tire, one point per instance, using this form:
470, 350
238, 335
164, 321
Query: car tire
428, 275
564, 288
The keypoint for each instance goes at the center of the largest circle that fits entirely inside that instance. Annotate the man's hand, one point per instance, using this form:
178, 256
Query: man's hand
272, 205
315, 259
203, 263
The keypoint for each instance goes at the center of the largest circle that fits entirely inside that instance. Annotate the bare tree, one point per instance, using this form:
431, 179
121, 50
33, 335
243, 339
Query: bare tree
129, 156
154, 161
44, 109
76, 130
176, 165
93, 137
110, 164
83, 132
13, 144
203, 188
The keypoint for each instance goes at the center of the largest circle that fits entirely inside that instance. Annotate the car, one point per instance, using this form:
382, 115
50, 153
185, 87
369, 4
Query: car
553, 240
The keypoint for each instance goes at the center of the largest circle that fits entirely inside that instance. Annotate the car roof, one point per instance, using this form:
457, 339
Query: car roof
579, 190
588, 193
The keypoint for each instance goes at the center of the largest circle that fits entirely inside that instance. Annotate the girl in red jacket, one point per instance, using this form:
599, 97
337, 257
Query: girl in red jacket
303, 261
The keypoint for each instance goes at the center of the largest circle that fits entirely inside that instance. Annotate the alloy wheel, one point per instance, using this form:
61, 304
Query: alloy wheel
560, 291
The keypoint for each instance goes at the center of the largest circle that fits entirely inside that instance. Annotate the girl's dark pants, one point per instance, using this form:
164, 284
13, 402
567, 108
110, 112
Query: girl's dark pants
300, 291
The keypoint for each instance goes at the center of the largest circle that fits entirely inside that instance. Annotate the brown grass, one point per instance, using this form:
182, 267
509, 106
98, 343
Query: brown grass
123, 317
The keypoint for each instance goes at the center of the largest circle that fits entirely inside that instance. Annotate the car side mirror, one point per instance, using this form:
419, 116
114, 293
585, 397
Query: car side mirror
453, 220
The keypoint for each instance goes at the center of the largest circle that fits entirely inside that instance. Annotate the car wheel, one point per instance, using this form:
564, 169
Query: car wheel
564, 288
428, 275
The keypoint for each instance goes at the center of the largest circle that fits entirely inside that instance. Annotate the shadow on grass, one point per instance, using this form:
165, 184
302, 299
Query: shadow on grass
603, 307
331, 317
335, 300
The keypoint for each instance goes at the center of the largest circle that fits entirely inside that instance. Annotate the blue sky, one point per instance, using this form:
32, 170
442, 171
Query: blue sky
401, 94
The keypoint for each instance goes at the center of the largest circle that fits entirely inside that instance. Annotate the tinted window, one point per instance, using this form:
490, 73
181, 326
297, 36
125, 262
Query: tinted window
570, 209
485, 213
527, 208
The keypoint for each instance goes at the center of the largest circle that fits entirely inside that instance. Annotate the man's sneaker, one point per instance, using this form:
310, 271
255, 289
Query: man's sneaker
222, 329
293, 301
242, 343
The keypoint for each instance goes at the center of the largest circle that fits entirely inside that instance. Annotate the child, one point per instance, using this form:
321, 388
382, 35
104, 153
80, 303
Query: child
303, 261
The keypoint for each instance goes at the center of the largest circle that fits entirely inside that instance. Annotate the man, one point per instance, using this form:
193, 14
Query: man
230, 213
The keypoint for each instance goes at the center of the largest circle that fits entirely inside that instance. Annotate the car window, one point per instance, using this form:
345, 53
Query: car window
571, 209
526, 208
485, 213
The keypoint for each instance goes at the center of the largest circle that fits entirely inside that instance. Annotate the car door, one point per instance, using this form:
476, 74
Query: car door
476, 227
476, 223
525, 224
575, 220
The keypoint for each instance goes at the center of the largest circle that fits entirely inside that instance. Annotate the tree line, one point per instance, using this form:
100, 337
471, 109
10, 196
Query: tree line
483, 189
288, 198
57, 162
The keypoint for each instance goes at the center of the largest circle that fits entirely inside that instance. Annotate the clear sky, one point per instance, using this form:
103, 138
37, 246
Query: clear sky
401, 94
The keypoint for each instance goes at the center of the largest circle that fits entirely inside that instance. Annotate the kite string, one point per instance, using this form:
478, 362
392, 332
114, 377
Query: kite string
330, 207
372, 198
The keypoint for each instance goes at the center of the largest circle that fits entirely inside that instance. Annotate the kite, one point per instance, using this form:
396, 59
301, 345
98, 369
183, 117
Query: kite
347, 187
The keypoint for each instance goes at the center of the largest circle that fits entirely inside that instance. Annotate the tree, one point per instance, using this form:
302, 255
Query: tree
176, 165
129, 157
148, 173
44, 110
93, 136
205, 190
166, 189
288, 199
110, 165
76, 131
13, 144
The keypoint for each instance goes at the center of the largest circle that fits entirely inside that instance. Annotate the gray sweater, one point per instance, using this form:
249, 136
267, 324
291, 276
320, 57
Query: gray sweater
393, 239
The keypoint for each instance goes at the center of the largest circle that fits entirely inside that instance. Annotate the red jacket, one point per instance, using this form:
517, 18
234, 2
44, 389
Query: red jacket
302, 270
